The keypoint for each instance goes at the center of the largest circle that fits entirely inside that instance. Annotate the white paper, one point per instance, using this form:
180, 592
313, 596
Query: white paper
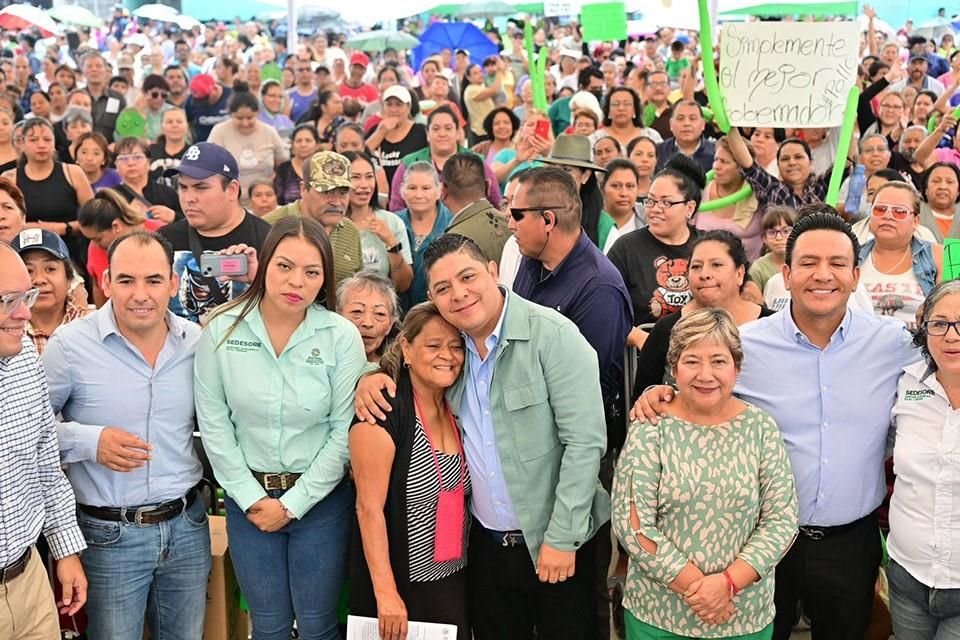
788, 74
113, 105
360, 628
561, 7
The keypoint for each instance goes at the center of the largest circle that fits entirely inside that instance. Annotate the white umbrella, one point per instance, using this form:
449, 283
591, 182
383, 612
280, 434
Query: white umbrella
76, 15
158, 12
187, 22
879, 25
18, 17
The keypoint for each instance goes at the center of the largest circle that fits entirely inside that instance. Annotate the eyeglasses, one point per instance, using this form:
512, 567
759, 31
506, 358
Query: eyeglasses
898, 212
651, 203
133, 157
940, 327
778, 233
517, 213
10, 302
158, 94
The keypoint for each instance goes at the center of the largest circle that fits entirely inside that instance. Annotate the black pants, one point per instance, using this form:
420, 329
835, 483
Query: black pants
508, 601
835, 578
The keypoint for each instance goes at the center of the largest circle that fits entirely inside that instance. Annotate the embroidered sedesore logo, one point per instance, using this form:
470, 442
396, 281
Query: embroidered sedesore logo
243, 346
314, 358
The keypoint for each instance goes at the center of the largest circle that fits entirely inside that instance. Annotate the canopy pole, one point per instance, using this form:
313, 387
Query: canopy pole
292, 27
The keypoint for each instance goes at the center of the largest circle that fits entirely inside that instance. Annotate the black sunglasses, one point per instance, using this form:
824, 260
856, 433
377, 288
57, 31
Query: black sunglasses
517, 213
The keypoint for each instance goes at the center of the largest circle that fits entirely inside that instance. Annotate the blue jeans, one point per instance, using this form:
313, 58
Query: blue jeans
297, 572
159, 571
919, 612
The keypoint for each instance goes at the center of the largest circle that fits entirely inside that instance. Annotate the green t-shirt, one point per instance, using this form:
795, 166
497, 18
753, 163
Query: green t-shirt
763, 269
674, 67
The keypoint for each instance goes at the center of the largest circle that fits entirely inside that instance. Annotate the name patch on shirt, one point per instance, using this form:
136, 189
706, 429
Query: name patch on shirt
243, 346
917, 395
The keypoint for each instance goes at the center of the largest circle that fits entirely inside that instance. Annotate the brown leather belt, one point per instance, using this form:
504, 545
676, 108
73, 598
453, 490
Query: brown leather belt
15, 570
144, 515
276, 481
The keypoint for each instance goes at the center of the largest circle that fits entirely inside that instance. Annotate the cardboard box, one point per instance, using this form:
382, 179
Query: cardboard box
225, 620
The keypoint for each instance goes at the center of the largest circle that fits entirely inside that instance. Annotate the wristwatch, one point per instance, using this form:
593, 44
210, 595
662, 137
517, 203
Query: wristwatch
395, 248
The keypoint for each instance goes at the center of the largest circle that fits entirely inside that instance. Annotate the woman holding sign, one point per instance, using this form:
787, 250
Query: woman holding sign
797, 184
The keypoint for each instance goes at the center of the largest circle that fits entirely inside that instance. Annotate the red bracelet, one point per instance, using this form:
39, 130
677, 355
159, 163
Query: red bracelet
730, 583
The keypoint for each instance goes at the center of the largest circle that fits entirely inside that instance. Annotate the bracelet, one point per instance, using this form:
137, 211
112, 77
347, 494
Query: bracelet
730, 584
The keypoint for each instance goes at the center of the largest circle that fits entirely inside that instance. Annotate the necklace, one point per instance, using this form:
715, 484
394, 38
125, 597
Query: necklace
893, 270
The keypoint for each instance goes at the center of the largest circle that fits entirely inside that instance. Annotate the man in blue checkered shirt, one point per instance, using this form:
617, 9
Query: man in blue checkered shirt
35, 496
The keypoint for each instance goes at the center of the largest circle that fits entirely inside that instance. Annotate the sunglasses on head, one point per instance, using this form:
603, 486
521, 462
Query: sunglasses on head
896, 211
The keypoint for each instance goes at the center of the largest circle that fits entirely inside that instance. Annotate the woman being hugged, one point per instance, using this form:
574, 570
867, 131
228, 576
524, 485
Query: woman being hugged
412, 487
275, 374
704, 539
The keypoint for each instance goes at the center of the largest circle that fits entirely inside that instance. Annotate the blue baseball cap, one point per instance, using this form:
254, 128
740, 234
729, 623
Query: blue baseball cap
48, 241
203, 160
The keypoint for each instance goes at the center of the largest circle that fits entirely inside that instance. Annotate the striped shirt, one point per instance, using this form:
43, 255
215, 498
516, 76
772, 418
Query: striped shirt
423, 494
35, 496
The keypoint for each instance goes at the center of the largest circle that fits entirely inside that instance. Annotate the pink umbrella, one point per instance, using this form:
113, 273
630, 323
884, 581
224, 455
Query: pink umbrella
17, 17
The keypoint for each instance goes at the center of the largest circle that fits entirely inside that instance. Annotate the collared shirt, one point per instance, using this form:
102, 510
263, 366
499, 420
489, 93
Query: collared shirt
703, 156
98, 378
586, 288
770, 190
40, 339
490, 501
924, 522
832, 406
35, 496
289, 413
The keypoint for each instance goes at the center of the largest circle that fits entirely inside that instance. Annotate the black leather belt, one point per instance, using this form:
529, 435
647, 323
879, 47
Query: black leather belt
502, 538
143, 515
276, 481
16, 569
819, 533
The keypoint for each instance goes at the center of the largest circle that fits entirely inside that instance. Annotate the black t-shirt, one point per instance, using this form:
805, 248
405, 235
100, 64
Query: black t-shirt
196, 297
160, 161
652, 361
391, 153
655, 273
153, 193
900, 164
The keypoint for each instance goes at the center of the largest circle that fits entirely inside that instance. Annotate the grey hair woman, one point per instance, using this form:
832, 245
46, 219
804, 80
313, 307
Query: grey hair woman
924, 460
370, 302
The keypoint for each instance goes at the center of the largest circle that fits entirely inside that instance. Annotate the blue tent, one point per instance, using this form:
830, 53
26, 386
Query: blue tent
453, 36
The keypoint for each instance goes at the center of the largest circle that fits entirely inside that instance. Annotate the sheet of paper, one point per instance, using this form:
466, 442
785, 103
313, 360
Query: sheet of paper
113, 105
360, 628
788, 74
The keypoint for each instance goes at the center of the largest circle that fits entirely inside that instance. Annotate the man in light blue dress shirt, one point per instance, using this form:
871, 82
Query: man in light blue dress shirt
123, 379
828, 376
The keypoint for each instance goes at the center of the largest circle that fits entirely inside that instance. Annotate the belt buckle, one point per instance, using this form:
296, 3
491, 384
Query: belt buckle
138, 516
813, 533
510, 539
268, 479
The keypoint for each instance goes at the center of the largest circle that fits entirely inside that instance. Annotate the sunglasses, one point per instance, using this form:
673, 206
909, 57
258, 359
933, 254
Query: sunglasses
156, 93
518, 213
898, 212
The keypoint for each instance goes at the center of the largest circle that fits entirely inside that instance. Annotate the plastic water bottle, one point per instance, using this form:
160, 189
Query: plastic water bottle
858, 182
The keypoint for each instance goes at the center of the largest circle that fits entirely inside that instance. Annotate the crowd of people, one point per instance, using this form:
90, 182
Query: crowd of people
457, 358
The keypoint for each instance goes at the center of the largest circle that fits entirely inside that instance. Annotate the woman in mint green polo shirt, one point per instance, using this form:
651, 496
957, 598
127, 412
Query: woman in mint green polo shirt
275, 374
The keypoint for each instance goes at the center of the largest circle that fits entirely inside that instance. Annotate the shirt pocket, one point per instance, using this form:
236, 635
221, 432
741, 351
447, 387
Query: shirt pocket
531, 419
312, 386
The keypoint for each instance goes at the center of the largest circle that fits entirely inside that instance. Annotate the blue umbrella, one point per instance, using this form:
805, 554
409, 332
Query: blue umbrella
453, 36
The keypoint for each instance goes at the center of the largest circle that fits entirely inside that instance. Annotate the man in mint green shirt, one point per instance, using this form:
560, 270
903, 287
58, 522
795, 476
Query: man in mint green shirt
531, 412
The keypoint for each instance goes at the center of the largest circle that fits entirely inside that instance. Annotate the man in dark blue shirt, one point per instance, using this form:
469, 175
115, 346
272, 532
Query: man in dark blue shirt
207, 105
563, 270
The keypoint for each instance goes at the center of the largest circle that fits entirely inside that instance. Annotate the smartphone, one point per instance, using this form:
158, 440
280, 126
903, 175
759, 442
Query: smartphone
543, 129
214, 265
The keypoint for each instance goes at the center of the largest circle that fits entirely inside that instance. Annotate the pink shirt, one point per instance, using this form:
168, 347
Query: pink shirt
948, 155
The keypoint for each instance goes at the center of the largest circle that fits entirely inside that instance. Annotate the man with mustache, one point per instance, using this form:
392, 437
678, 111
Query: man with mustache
324, 196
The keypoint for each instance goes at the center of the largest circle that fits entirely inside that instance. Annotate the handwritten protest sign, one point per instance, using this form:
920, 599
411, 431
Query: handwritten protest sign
561, 7
788, 74
951, 259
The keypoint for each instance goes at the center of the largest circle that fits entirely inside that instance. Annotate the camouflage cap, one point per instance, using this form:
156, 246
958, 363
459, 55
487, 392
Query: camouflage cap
328, 171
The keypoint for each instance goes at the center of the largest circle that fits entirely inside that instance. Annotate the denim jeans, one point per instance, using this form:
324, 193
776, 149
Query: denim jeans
297, 572
159, 571
919, 612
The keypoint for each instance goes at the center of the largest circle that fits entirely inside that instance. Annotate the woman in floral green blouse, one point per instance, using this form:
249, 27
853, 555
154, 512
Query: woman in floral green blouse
704, 501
